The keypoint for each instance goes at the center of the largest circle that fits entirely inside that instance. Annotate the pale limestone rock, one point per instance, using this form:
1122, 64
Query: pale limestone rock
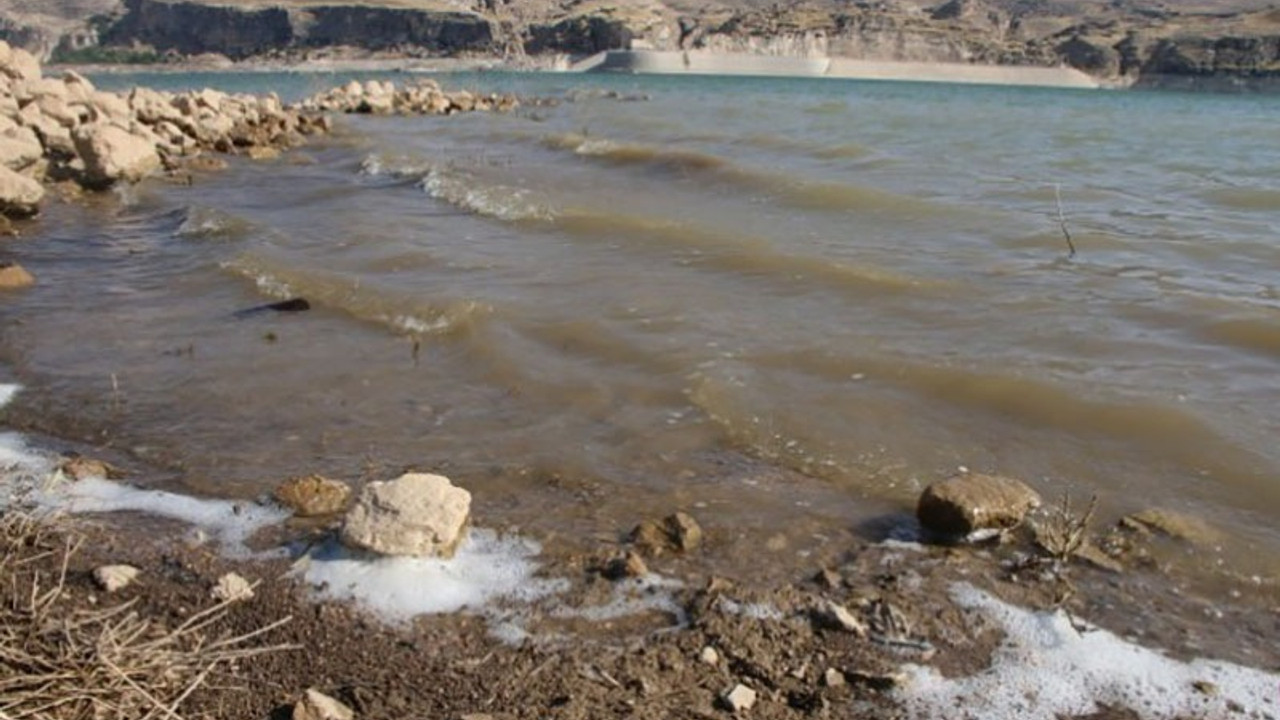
151, 106
315, 705
684, 531
79, 89
59, 110
18, 63
709, 656
112, 154
20, 196
110, 105
232, 588
416, 514
837, 617
13, 276
970, 503
19, 148
115, 577
313, 495
740, 699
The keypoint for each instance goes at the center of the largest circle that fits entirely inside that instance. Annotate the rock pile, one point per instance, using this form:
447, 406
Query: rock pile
55, 129
423, 97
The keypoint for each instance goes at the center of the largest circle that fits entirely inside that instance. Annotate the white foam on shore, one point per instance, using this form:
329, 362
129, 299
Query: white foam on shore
486, 567
19, 465
1045, 669
232, 523
633, 596
7, 391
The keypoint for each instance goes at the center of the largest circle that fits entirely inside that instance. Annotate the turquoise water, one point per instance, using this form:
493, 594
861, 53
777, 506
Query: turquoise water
775, 297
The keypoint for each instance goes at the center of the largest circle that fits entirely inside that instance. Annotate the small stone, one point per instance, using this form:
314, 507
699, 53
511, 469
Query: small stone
315, 705
232, 588
828, 578
740, 699
14, 276
313, 495
972, 505
630, 565
837, 617
876, 680
115, 577
1204, 687
833, 678
79, 468
1171, 523
261, 152
709, 655
684, 532
649, 538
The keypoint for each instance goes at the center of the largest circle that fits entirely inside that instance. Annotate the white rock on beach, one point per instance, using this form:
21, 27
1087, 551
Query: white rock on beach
740, 699
416, 514
115, 577
315, 705
232, 588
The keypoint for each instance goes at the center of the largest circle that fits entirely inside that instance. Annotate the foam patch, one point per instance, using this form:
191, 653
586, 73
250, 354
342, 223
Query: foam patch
19, 464
485, 568
231, 522
633, 596
7, 392
1046, 669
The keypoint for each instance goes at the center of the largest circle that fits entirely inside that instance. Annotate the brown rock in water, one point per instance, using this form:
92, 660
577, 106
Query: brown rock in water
79, 468
14, 276
416, 514
1174, 524
315, 705
313, 495
684, 531
627, 566
966, 504
676, 533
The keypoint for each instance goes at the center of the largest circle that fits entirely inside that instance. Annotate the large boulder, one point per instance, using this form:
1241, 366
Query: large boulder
19, 147
112, 154
416, 514
20, 196
17, 63
973, 503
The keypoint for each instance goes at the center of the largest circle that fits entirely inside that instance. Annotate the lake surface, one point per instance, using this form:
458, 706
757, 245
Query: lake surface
790, 303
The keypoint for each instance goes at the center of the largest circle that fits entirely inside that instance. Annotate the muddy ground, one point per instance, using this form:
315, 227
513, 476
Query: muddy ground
773, 639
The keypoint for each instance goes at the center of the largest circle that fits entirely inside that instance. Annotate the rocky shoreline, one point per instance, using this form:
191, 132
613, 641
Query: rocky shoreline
637, 627
64, 133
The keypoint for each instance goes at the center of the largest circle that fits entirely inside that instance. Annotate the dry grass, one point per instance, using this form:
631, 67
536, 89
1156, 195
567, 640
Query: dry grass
61, 660
1066, 531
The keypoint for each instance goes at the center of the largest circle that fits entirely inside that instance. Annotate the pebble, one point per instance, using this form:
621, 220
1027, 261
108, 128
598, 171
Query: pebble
833, 678
232, 588
836, 616
740, 699
709, 655
115, 577
315, 705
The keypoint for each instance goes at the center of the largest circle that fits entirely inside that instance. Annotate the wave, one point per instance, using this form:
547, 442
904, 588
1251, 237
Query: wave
1246, 198
203, 223
503, 202
398, 311
739, 253
1254, 335
802, 193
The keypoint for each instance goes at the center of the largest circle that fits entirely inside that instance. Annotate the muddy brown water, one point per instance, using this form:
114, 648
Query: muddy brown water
787, 305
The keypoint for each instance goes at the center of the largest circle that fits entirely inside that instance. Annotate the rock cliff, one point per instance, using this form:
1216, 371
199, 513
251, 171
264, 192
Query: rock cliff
1122, 42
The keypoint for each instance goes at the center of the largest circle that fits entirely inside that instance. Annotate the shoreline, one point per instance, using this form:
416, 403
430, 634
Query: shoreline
926, 626
654, 62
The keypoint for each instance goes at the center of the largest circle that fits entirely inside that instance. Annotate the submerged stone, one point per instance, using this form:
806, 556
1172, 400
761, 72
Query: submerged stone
972, 503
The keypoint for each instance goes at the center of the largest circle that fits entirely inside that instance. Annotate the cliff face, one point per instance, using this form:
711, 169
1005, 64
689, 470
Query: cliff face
191, 28
1125, 42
